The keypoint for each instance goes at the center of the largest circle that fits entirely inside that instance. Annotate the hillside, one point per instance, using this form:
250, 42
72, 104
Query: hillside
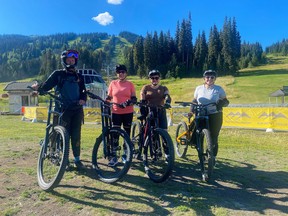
26, 56
251, 86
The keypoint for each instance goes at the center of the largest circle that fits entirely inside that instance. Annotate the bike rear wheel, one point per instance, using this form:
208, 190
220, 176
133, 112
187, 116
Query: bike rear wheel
206, 155
52, 164
181, 146
136, 138
119, 145
158, 156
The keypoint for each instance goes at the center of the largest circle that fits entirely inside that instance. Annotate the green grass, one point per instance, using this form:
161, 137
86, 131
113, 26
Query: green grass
251, 173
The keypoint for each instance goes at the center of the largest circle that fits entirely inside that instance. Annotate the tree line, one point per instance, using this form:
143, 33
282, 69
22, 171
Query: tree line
26, 56
279, 48
179, 57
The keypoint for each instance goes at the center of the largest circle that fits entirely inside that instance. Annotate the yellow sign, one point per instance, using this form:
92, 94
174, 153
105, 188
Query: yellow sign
40, 114
256, 117
242, 117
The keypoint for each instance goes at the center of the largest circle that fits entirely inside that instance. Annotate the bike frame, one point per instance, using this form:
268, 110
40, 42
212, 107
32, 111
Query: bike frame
201, 122
106, 120
150, 123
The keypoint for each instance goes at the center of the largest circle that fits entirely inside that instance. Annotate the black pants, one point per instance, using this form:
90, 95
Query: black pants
123, 119
72, 120
215, 123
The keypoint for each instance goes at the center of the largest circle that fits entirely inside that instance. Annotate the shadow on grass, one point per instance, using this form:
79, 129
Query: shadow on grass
237, 186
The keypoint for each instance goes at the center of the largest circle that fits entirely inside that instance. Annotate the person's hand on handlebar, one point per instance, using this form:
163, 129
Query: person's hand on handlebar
82, 102
35, 86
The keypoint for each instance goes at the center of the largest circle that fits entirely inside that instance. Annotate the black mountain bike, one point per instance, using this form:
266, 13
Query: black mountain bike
54, 154
197, 135
154, 144
113, 142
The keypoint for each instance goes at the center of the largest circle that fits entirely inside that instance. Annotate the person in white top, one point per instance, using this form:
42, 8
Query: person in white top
211, 93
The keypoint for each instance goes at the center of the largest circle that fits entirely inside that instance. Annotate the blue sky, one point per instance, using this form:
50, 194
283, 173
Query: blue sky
263, 21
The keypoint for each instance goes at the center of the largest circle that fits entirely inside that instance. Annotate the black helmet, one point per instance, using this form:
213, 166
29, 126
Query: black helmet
209, 73
153, 73
120, 67
69, 53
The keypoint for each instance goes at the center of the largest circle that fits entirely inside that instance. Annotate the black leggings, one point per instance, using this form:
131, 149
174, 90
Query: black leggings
125, 119
72, 120
215, 123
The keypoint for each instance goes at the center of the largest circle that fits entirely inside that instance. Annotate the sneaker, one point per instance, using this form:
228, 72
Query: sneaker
113, 162
124, 157
68, 166
79, 165
166, 158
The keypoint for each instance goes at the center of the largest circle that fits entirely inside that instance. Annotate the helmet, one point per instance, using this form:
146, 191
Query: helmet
209, 73
69, 53
120, 67
153, 73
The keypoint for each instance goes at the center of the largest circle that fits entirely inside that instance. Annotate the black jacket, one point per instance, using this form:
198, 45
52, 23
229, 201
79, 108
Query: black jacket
69, 86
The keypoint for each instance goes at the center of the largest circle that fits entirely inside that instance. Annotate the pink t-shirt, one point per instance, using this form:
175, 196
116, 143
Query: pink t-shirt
120, 92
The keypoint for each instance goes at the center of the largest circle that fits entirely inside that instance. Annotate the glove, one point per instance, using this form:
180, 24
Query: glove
222, 103
143, 102
167, 105
123, 105
190, 114
192, 108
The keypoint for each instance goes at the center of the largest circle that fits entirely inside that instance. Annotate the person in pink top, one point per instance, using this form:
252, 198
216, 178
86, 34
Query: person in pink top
121, 91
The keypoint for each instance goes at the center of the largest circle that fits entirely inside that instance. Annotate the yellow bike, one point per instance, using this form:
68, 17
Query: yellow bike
196, 133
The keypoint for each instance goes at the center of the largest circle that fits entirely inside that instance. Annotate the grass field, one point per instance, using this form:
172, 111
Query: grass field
251, 176
250, 179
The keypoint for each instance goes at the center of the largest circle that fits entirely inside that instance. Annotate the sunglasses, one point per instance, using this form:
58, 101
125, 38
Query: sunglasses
154, 78
120, 71
210, 77
72, 54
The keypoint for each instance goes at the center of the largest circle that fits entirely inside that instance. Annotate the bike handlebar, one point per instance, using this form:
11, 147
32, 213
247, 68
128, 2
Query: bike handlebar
150, 105
45, 92
191, 103
96, 97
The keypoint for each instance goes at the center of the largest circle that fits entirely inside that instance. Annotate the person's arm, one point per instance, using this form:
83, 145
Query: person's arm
50, 83
223, 101
109, 93
167, 98
143, 93
133, 98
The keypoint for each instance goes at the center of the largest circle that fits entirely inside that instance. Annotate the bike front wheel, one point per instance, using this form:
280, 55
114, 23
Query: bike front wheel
206, 155
181, 144
112, 157
136, 138
158, 155
53, 158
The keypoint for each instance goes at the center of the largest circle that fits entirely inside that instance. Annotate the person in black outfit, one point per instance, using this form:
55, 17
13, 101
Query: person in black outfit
69, 85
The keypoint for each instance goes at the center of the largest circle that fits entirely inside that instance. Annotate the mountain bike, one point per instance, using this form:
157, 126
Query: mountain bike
196, 134
54, 154
154, 144
113, 142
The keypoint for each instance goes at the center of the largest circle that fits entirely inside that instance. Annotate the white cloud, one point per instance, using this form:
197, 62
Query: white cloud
104, 19
115, 2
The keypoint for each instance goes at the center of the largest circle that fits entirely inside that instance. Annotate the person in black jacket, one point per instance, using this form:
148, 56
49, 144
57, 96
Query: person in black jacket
69, 85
